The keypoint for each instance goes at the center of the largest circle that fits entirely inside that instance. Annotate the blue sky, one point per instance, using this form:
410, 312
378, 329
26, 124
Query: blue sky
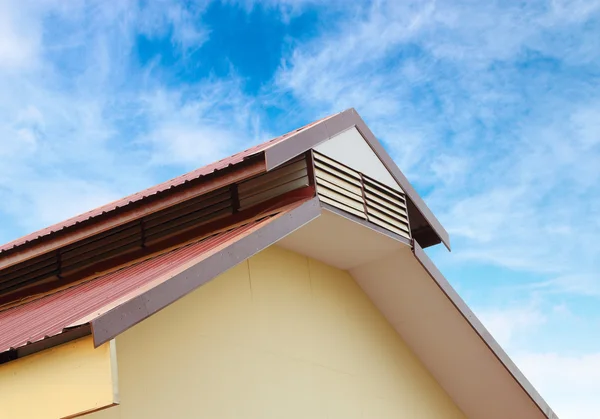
492, 109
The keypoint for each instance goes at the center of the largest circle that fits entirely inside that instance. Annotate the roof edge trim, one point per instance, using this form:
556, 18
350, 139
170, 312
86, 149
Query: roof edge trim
310, 137
481, 331
114, 322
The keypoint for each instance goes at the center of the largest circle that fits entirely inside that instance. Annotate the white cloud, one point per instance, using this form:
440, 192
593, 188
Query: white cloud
82, 124
508, 324
20, 38
570, 383
210, 121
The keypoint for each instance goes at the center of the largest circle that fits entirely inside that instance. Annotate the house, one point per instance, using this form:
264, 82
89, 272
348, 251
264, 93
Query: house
286, 281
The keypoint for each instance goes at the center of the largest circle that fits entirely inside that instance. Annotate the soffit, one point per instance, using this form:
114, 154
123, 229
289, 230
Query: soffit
427, 313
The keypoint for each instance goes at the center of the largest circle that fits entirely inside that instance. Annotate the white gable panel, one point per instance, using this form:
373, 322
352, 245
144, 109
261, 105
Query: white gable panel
351, 149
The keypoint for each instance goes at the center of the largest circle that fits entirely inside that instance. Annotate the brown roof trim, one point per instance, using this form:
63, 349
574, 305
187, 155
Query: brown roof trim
128, 314
481, 331
308, 138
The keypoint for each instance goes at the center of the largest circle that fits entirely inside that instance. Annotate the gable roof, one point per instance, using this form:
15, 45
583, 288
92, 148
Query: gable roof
269, 155
109, 303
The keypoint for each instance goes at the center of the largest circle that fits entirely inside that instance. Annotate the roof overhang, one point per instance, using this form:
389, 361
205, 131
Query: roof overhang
44, 249
310, 137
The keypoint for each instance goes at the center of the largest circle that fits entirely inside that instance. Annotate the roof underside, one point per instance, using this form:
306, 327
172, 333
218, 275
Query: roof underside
426, 312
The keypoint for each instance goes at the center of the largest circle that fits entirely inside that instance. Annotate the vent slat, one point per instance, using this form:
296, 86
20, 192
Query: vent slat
384, 200
393, 199
26, 270
38, 273
343, 207
339, 189
171, 230
378, 202
100, 257
371, 184
344, 199
246, 202
343, 183
277, 181
293, 175
6, 287
35, 263
206, 214
211, 198
358, 194
133, 231
326, 173
99, 236
390, 227
391, 221
199, 212
324, 160
93, 253
260, 181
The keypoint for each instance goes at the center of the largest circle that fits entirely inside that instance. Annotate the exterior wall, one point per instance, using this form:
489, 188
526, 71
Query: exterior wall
278, 336
58, 382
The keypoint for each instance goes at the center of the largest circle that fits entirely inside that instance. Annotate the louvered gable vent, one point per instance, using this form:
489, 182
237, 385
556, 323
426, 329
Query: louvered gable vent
358, 194
293, 175
155, 228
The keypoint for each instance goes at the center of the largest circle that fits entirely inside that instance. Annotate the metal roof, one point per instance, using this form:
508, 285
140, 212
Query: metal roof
54, 314
138, 196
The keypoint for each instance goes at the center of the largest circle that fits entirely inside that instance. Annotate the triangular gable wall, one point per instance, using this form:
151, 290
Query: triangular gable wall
351, 148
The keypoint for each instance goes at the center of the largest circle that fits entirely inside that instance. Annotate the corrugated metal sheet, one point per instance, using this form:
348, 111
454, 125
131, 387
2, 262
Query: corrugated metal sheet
195, 174
50, 315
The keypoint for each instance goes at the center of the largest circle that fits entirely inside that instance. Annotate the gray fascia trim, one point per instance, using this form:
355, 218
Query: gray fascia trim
480, 329
366, 223
116, 321
303, 141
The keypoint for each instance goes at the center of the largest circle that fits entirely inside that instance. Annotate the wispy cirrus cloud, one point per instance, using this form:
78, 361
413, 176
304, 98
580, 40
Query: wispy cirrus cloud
484, 106
491, 110
82, 122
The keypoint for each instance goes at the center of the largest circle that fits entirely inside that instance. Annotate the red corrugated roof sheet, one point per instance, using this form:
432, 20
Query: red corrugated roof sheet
203, 171
49, 315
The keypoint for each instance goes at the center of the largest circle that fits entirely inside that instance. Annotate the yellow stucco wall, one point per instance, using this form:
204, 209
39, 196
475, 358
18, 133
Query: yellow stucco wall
279, 336
58, 382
